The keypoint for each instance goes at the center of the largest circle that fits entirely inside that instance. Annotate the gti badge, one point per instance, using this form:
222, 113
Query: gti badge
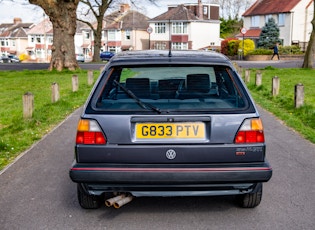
170, 154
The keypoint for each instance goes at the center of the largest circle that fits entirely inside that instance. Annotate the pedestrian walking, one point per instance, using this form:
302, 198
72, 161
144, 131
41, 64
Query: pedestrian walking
276, 51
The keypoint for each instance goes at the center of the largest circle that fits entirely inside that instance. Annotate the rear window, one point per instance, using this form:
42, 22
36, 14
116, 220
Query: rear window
170, 88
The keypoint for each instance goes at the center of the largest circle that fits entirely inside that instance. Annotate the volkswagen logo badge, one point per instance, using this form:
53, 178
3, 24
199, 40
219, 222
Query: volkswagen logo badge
170, 154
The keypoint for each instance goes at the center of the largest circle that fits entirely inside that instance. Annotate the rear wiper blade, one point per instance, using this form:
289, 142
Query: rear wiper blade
137, 99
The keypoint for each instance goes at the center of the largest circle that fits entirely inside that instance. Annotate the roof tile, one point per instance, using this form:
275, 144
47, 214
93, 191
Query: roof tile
263, 7
126, 20
177, 13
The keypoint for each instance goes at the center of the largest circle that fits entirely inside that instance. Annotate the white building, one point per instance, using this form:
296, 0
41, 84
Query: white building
40, 39
292, 16
187, 26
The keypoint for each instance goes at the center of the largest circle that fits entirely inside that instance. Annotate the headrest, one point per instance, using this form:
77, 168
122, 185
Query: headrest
198, 82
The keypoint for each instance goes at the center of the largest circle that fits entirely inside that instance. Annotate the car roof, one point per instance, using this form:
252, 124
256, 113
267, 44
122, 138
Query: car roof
167, 57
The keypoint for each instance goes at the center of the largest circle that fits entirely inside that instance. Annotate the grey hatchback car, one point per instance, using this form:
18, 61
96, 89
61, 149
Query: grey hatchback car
169, 123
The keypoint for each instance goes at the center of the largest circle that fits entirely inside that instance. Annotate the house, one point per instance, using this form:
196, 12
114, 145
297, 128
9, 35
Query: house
84, 40
292, 16
13, 37
40, 39
125, 29
186, 26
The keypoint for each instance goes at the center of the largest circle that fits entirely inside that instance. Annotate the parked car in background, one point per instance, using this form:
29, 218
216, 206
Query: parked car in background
169, 124
13, 58
80, 58
4, 59
106, 55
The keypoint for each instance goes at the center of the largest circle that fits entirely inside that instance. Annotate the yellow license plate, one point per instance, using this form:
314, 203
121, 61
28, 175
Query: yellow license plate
183, 130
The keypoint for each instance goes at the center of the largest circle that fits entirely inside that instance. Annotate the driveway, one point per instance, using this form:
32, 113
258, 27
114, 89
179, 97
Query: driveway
36, 192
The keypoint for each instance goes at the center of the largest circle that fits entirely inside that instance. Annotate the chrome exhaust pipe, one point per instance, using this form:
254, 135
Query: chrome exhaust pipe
123, 201
110, 202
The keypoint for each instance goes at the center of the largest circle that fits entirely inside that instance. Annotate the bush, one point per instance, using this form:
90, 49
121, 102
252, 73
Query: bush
290, 50
261, 51
24, 57
282, 50
233, 47
249, 45
225, 45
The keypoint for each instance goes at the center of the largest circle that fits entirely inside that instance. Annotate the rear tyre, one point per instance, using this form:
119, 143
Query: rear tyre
251, 200
87, 201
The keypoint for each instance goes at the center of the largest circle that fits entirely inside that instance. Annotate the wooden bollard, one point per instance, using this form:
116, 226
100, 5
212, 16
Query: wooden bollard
237, 68
75, 83
240, 70
299, 95
90, 77
28, 105
55, 95
247, 75
258, 78
275, 86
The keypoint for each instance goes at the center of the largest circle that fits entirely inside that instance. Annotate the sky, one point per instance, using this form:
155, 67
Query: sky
34, 14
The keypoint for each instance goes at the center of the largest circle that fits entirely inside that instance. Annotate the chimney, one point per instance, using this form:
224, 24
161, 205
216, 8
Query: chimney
17, 21
124, 8
200, 10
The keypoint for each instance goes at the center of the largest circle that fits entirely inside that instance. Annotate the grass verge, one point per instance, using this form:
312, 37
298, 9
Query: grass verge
18, 134
283, 105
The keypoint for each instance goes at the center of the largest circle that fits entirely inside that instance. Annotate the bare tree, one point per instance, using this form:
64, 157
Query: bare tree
309, 54
94, 11
232, 9
97, 8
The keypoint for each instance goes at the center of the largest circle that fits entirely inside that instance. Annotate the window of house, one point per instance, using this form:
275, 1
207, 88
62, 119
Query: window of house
281, 19
255, 21
127, 34
38, 39
179, 28
160, 45
112, 49
38, 52
267, 17
13, 42
111, 35
205, 10
160, 28
87, 35
2, 42
32, 39
179, 46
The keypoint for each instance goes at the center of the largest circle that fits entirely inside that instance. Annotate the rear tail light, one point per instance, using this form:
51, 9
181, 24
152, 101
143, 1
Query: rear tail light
251, 131
89, 133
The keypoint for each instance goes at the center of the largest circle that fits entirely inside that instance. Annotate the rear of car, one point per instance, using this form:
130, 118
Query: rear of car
106, 55
14, 58
170, 124
80, 58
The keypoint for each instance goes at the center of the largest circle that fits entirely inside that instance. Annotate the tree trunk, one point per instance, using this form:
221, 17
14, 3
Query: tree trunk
62, 14
97, 40
98, 13
309, 54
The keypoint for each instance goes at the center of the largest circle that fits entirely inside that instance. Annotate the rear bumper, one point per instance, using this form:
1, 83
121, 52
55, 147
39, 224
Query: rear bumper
156, 179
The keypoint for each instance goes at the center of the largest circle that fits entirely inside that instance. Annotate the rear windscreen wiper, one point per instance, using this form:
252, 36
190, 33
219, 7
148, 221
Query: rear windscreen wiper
137, 99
